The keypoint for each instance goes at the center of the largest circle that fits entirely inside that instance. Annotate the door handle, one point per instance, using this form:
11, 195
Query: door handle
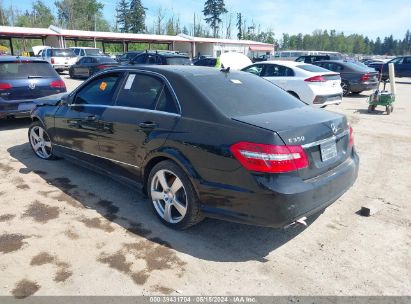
148, 125
91, 118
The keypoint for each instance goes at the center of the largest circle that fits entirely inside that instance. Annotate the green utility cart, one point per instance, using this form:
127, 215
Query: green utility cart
381, 98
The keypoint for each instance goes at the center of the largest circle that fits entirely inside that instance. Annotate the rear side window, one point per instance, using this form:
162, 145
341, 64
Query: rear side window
25, 70
273, 70
312, 68
241, 94
140, 91
99, 91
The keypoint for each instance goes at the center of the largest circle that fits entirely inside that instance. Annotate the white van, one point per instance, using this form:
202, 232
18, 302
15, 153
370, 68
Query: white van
86, 51
60, 59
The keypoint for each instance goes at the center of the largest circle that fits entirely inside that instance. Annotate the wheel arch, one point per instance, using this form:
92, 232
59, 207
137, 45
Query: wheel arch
173, 155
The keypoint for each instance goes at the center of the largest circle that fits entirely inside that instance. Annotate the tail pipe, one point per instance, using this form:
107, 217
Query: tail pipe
299, 222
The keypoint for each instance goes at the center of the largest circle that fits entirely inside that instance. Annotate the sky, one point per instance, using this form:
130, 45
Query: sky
371, 18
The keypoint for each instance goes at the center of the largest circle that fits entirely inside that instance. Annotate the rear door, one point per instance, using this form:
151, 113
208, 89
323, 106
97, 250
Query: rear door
404, 69
77, 125
144, 114
282, 76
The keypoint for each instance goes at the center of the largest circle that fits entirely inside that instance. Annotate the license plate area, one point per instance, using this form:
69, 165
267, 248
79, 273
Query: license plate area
328, 150
26, 106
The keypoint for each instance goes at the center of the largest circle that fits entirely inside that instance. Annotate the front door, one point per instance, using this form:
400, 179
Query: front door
77, 125
144, 114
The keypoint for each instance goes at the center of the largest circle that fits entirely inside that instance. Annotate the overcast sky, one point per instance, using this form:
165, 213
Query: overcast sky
368, 17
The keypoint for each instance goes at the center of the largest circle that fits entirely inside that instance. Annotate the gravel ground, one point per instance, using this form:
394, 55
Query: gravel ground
67, 231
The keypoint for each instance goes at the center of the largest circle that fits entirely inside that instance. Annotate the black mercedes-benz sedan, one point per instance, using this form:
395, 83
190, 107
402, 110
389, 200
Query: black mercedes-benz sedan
202, 143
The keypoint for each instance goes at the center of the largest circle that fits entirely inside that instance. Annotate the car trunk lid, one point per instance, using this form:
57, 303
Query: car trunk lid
323, 135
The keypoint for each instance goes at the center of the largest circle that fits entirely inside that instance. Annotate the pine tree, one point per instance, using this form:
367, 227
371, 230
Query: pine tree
239, 26
212, 11
122, 11
137, 16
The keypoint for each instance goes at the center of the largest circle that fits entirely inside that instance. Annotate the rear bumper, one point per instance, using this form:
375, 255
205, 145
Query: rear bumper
323, 100
21, 108
366, 86
280, 199
65, 67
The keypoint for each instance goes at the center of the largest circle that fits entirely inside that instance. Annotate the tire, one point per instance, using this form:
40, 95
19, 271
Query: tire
345, 87
392, 108
177, 208
388, 109
71, 74
40, 141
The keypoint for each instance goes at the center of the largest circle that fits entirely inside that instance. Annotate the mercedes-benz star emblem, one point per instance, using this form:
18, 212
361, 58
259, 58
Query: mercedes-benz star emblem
334, 128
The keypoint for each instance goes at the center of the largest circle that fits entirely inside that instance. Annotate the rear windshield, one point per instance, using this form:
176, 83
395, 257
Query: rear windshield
241, 94
178, 61
62, 53
93, 52
312, 68
14, 70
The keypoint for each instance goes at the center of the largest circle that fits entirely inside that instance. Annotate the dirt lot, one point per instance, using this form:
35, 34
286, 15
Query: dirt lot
68, 231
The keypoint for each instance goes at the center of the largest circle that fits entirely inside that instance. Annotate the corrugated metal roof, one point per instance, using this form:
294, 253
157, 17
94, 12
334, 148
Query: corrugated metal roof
120, 36
56, 31
26, 31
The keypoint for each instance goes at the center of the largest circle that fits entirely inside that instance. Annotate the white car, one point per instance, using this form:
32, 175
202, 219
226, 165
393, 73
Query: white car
86, 51
60, 59
312, 84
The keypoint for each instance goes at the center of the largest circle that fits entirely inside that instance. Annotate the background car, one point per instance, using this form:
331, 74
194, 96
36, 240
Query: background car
402, 67
90, 65
312, 58
275, 159
86, 51
354, 78
209, 62
23, 79
161, 58
126, 57
311, 84
60, 59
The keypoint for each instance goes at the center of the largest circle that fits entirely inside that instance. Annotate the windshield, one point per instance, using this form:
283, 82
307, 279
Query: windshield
21, 70
178, 61
241, 94
62, 53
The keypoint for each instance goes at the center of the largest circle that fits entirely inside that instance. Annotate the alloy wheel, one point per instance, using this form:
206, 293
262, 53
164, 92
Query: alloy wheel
40, 142
169, 196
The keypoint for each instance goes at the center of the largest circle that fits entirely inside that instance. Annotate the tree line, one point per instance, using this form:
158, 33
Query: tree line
214, 21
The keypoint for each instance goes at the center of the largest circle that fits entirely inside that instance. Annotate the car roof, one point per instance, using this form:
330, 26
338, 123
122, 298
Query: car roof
165, 54
83, 47
20, 58
286, 63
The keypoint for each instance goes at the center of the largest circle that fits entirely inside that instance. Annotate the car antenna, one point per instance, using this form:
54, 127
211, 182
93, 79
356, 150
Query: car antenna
225, 70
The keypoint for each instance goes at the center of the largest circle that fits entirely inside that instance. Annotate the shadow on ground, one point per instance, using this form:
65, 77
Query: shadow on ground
14, 123
210, 240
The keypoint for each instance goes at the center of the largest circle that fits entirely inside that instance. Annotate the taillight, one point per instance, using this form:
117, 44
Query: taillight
58, 84
52, 60
269, 158
351, 142
315, 79
102, 66
365, 77
5, 86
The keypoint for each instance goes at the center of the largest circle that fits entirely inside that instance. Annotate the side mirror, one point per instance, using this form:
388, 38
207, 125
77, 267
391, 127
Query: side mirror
65, 100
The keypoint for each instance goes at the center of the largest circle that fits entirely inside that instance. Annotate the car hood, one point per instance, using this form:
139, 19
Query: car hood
50, 100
